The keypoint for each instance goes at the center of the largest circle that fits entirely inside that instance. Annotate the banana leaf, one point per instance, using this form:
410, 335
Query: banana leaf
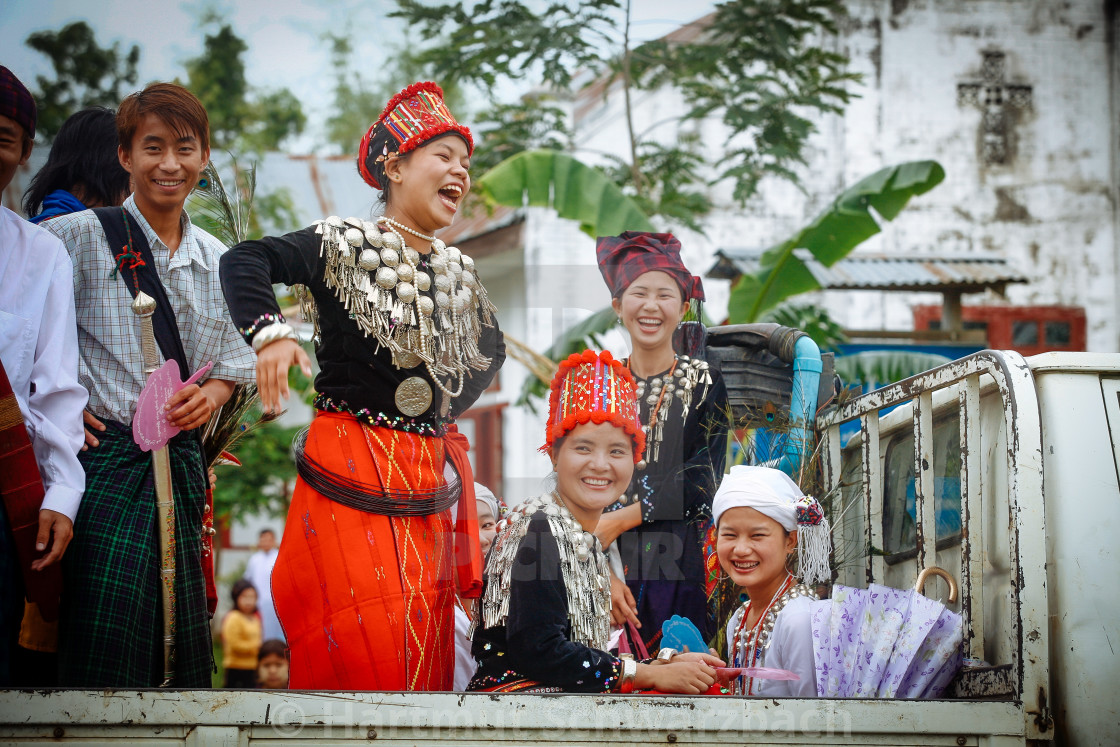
545, 178
877, 368
839, 229
588, 333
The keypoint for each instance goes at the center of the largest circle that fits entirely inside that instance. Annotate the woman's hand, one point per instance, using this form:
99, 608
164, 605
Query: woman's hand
685, 677
614, 523
709, 658
273, 362
623, 606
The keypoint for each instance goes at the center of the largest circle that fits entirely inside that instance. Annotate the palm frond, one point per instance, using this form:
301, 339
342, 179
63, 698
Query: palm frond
234, 420
225, 214
587, 334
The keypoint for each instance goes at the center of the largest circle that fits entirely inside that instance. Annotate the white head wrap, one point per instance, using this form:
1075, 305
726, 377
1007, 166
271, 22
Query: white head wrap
484, 494
771, 492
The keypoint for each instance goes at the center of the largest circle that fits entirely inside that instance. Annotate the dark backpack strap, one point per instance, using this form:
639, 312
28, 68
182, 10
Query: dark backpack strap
146, 279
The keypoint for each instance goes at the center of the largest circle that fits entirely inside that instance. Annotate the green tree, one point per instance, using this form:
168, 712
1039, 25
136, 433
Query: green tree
85, 74
359, 99
504, 130
264, 481
242, 118
356, 102
757, 67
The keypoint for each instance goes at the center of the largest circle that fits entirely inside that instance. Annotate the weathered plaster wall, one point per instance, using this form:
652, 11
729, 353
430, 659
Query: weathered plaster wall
1050, 207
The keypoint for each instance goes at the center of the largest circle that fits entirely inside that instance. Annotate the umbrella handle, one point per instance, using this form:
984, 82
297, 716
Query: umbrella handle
935, 571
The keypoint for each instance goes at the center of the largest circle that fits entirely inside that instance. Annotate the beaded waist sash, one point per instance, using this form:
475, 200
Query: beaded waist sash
368, 498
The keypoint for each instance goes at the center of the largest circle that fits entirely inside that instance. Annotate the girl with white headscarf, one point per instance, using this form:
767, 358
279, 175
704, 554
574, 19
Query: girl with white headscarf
762, 518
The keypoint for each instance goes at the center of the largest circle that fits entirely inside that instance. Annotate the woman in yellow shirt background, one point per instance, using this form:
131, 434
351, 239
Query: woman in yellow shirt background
241, 637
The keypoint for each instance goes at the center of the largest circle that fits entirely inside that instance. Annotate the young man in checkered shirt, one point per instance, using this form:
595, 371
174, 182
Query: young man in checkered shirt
111, 632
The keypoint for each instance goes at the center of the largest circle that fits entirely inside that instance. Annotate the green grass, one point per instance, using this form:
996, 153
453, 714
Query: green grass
217, 679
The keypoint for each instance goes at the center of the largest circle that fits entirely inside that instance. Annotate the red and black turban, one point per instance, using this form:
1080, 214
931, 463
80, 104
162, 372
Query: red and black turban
624, 258
16, 102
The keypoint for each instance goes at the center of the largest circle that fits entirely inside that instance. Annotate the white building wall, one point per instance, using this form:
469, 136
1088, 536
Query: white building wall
1050, 209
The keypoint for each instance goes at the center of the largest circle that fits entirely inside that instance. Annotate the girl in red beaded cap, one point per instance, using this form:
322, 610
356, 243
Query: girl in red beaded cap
544, 617
366, 581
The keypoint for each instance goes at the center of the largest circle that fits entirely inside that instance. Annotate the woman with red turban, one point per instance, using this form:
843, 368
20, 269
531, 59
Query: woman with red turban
661, 521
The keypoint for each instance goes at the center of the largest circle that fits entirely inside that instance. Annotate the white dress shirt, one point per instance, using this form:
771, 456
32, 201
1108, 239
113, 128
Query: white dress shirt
39, 348
259, 572
112, 366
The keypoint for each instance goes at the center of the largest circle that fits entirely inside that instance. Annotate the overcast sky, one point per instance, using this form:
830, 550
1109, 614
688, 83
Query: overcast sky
284, 37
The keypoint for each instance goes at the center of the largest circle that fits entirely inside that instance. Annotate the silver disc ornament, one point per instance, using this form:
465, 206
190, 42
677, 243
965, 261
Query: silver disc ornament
413, 396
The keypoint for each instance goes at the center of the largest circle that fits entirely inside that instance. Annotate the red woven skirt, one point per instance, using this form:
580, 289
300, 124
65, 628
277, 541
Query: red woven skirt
366, 600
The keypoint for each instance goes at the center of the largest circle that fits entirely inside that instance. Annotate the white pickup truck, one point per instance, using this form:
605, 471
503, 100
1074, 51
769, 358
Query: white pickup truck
1001, 470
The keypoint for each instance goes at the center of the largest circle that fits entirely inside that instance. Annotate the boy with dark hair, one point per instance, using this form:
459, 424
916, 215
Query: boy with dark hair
82, 170
41, 481
112, 627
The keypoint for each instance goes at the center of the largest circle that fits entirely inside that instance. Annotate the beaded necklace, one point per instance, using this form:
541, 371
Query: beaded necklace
747, 643
402, 227
653, 442
408, 253
383, 283
684, 378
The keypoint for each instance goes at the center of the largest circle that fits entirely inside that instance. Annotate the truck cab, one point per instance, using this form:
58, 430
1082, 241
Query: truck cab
1002, 471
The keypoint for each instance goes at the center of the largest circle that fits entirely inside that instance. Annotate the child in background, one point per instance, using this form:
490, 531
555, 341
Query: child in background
272, 665
241, 637
488, 514
761, 518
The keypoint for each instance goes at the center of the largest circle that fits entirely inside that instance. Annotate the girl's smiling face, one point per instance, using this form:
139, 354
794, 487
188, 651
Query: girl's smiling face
753, 548
651, 308
594, 464
429, 183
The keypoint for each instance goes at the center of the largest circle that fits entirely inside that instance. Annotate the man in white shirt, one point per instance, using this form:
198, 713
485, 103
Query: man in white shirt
259, 572
44, 401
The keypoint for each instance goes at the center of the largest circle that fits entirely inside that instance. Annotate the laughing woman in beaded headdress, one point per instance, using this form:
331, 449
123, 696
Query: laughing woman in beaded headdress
662, 518
365, 583
544, 618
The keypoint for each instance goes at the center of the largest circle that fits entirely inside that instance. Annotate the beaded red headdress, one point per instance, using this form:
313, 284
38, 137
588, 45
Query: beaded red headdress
593, 387
414, 116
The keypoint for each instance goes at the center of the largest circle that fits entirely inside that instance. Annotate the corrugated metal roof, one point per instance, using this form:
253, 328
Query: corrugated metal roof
480, 222
965, 273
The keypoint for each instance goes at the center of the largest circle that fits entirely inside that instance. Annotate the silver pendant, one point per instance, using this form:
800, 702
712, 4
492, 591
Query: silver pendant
413, 396
406, 359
